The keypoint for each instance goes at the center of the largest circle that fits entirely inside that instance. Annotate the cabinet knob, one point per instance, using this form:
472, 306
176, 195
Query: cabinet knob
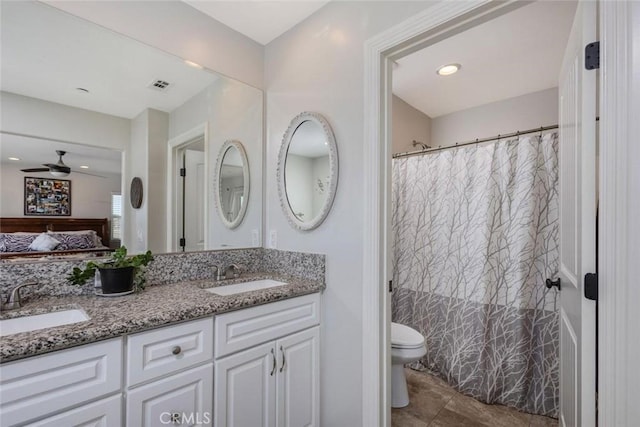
176, 350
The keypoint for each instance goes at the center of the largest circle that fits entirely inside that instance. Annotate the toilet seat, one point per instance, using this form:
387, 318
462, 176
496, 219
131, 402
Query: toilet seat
405, 337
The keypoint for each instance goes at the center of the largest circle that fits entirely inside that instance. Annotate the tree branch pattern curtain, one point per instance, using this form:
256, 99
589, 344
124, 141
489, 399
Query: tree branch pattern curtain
475, 236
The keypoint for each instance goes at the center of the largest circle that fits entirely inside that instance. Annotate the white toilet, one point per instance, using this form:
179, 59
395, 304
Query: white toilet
407, 345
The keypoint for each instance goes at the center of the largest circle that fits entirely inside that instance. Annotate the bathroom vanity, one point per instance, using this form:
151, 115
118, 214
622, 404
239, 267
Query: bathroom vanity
175, 354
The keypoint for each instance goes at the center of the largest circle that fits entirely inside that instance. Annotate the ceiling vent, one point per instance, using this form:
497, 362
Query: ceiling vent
159, 85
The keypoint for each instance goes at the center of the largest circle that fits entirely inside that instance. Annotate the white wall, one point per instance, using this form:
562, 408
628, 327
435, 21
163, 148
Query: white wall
408, 124
48, 120
156, 188
192, 113
90, 195
145, 227
520, 113
179, 29
319, 66
134, 235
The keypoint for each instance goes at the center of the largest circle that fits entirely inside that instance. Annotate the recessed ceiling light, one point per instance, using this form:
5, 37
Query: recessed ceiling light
447, 70
14, 158
84, 167
83, 90
193, 64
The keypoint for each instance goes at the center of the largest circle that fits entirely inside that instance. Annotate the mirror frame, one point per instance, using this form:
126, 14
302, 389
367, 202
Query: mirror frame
217, 182
333, 170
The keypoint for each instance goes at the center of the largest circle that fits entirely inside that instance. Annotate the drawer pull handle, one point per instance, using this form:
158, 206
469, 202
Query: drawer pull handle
176, 350
273, 369
284, 360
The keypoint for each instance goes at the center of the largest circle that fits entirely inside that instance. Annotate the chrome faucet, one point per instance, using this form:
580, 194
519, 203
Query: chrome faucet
14, 301
232, 272
217, 272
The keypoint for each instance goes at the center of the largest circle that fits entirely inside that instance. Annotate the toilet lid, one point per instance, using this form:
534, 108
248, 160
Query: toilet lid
405, 337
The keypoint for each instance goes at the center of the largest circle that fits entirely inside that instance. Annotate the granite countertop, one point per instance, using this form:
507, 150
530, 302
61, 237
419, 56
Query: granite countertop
157, 306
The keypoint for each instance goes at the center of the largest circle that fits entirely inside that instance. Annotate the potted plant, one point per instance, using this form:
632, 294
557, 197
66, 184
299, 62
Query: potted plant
117, 274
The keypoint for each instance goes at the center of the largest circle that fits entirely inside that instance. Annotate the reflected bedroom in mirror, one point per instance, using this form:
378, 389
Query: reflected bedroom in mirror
85, 111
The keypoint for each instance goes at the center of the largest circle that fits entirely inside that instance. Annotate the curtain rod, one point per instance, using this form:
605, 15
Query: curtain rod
476, 141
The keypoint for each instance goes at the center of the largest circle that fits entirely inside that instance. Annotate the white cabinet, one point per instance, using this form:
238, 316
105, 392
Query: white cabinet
43, 385
171, 395
103, 413
163, 351
182, 399
266, 374
274, 383
298, 379
245, 388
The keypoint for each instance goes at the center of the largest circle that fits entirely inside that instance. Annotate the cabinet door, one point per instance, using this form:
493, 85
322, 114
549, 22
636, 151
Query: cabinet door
298, 390
43, 385
103, 413
183, 399
245, 388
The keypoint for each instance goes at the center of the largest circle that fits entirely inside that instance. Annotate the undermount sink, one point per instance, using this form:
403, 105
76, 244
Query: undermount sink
41, 321
238, 288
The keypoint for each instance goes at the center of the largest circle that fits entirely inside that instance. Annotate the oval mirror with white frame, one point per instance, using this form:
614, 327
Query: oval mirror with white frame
232, 174
307, 171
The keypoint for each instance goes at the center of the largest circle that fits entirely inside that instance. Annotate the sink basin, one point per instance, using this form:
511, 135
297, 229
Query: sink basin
41, 321
239, 288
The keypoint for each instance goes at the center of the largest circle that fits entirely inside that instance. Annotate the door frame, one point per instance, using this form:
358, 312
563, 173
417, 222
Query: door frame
430, 26
174, 145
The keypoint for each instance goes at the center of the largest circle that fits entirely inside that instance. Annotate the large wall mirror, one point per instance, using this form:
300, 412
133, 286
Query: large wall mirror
122, 109
307, 171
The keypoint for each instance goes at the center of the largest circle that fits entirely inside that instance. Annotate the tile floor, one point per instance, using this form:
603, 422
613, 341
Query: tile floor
434, 403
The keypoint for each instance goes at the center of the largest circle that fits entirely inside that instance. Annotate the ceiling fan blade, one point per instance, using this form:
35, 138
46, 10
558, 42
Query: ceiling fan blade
35, 170
58, 168
92, 174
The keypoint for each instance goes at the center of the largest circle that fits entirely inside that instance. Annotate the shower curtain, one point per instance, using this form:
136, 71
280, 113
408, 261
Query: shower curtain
475, 236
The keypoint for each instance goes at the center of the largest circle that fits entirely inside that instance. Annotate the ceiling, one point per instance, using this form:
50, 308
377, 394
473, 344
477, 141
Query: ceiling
512, 55
33, 152
261, 20
47, 54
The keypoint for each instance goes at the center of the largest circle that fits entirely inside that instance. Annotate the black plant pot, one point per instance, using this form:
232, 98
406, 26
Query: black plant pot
116, 280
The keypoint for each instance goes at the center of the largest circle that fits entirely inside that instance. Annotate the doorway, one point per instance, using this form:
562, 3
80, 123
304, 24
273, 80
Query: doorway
190, 201
442, 22
187, 200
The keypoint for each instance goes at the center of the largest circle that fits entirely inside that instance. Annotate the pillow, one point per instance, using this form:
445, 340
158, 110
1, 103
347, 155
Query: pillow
97, 241
73, 241
44, 242
18, 242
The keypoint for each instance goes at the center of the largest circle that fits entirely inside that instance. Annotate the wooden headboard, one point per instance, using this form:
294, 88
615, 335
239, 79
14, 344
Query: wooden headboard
40, 225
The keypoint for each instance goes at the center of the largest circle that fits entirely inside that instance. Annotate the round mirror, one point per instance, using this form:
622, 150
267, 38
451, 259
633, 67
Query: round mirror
307, 171
232, 173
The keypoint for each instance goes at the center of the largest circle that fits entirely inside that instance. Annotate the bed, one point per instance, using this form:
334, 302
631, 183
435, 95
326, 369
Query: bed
76, 236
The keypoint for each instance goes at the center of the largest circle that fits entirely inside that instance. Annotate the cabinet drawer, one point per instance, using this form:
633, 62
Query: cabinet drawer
43, 385
103, 413
166, 350
251, 326
184, 399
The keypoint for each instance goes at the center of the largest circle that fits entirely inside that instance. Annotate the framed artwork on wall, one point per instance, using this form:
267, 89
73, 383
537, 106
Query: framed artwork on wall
47, 197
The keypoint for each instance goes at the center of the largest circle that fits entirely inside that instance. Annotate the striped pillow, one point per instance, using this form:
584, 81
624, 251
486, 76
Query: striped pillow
73, 241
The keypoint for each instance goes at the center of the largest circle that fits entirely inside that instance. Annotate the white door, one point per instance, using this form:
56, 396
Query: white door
194, 200
245, 388
577, 165
182, 399
299, 379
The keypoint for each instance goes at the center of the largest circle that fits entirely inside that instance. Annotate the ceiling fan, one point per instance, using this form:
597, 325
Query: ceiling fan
59, 169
